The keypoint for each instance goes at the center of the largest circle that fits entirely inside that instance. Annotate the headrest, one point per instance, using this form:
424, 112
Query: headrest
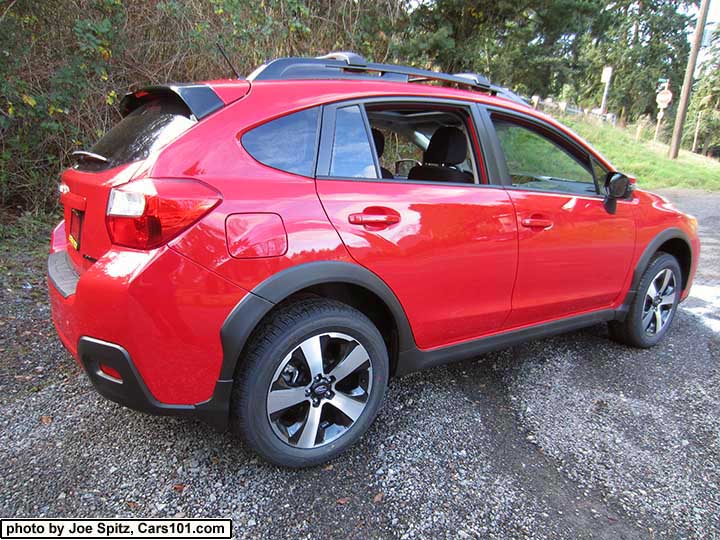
448, 146
379, 139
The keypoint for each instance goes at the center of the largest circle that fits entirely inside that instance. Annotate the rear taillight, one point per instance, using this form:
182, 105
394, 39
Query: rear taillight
148, 213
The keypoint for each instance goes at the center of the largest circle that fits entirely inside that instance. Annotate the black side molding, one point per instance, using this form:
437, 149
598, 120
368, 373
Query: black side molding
416, 360
132, 392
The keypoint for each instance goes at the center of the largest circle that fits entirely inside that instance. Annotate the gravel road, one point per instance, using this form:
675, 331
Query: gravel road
569, 437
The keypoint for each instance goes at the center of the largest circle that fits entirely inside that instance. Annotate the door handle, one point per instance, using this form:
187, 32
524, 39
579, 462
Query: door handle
536, 222
375, 217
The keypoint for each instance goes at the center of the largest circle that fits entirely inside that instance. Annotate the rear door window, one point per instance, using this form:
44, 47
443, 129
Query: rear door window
352, 156
288, 143
135, 137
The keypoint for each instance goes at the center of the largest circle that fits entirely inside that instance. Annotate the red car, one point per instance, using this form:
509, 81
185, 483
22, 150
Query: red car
264, 254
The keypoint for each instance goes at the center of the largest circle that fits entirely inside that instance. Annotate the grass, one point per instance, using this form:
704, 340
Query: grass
648, 161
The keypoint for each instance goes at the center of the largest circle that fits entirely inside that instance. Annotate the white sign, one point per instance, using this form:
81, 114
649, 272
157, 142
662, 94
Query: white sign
606, 74
664, 98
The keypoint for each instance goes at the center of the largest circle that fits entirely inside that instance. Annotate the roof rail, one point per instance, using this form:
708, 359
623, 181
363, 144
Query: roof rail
341, 65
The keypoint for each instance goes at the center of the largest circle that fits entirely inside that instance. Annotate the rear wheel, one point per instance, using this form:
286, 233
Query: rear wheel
311, 383
653, 308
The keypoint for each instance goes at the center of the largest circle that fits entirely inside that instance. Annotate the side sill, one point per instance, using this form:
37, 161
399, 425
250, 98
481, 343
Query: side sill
417, 360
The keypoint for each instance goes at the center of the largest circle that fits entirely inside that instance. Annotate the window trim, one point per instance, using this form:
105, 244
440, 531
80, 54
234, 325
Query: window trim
327, 136
546, 130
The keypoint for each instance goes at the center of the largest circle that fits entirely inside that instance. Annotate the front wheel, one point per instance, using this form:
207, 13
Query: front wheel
653, 308
311, 383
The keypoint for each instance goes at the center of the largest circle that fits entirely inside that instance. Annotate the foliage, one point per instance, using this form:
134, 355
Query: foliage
705, 102
65, 64
648, 161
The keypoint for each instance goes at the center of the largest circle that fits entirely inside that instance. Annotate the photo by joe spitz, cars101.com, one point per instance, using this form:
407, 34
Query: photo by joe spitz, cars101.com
263, 254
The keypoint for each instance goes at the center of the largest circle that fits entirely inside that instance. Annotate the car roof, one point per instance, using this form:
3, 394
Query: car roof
287, 96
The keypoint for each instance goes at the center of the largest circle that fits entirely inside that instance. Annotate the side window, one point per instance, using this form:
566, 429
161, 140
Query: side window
600, 174
397, 152
536, 161
287, 143
351, 153
424, 142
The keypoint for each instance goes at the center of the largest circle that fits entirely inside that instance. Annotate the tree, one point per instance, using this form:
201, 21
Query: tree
705, 102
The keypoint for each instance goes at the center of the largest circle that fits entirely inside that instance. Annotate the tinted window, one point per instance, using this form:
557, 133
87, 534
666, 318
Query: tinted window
351, 155
287, 143
535, 161
147, 128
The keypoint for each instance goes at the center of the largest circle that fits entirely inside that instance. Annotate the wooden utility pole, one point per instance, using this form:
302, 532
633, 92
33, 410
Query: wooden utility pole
687, 81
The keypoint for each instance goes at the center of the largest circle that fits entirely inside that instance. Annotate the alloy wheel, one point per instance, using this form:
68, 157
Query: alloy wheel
319, 390
659, 301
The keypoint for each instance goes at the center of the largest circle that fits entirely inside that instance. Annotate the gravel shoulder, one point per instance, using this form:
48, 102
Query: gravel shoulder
568, 437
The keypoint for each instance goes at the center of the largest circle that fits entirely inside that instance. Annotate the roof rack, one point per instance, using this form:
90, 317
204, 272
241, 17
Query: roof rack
342, 65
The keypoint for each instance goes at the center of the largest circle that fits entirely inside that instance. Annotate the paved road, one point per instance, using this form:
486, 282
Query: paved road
569, 437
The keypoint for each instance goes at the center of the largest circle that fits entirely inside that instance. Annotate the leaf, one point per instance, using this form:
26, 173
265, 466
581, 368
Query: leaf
46, 420
29, 100
378, 498
343, 500
179, 487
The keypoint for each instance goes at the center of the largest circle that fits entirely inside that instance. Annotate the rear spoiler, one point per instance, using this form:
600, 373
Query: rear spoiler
200, 99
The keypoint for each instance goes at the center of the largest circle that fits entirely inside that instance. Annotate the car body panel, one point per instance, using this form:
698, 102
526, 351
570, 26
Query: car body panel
579, 263
451, 258
450, 264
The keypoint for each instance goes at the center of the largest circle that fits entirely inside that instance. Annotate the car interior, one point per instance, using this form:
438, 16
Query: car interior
432, 145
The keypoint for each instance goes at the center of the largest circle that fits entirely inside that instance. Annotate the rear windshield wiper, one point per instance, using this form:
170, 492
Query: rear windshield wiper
83, 154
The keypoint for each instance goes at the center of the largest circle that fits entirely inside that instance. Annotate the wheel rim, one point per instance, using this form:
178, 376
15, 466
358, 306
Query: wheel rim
319, 390
659, 302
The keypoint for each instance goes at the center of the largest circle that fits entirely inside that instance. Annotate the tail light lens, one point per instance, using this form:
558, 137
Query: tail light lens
148, 213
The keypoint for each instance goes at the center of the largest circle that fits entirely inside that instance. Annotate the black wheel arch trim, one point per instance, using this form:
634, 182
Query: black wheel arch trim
248, 313
650, 250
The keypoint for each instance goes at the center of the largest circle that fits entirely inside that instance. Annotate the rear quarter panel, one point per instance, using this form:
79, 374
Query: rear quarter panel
213, 153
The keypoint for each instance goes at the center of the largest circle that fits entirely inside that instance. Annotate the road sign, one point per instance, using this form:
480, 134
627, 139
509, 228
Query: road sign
664, 98
606, 74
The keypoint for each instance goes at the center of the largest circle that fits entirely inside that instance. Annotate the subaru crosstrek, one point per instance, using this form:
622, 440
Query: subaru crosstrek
263, 254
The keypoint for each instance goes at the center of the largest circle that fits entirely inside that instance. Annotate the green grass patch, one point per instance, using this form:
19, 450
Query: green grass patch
648, 161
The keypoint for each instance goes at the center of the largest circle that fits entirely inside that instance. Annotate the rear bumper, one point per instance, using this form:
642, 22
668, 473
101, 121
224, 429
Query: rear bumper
131, 390
157, 315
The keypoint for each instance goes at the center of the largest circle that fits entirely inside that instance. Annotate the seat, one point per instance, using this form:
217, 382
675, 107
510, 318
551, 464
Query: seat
448, 147
379, 140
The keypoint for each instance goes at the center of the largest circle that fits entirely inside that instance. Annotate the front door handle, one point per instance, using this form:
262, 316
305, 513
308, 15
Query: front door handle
536, 222
375, 217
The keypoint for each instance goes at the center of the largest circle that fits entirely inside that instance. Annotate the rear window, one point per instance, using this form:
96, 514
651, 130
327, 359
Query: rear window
135, 137
287, 143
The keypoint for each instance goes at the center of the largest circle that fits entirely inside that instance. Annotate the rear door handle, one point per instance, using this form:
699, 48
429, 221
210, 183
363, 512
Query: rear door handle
369, 219
536, 222
375, 217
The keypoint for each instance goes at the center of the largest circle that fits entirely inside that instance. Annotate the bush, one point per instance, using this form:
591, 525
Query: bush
66, 64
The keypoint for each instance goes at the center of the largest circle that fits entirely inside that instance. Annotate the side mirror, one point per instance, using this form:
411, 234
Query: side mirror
617, 186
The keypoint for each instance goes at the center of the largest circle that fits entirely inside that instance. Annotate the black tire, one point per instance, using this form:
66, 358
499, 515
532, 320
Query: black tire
278, 339
637, 330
